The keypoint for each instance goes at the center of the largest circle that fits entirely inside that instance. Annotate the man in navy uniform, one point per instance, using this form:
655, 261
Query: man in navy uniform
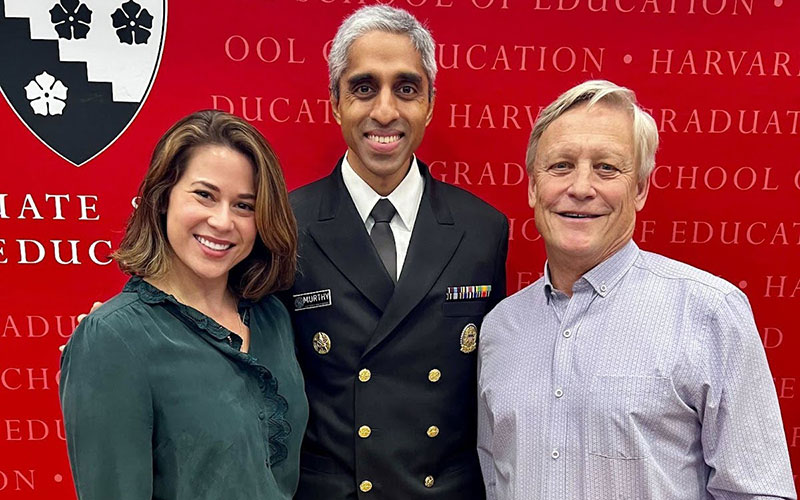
396, 271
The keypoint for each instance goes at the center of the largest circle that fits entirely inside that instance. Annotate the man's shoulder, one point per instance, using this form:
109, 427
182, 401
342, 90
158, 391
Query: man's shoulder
670, 269
522, 300
305, 199
466, 206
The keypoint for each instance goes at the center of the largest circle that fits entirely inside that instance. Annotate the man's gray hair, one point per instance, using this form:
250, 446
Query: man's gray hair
645, 131
389, 20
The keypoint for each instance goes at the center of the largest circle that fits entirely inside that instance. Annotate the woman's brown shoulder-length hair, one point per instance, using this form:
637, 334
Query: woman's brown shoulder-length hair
145, 251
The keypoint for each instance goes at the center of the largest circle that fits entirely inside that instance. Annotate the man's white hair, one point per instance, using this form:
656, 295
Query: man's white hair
645, 131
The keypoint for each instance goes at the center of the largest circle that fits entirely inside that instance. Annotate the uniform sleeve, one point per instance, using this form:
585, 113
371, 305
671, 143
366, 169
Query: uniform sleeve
108, 417
742, 432
499, 281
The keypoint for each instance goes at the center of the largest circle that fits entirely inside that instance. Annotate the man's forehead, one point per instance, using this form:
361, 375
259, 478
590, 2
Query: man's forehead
583, 122
591, 144
384, 45
586, 132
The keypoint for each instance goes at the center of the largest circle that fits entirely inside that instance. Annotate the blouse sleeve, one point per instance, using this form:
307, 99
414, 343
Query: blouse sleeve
108, 415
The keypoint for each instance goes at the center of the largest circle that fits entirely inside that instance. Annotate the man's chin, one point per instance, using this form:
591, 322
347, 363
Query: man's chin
577, 251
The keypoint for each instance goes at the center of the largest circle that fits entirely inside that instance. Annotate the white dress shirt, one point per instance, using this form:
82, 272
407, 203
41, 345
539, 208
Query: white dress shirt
406, 198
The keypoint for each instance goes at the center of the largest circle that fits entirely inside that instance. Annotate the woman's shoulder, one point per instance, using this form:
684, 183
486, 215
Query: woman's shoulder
270, 317
116, 320
271, 306
119, 309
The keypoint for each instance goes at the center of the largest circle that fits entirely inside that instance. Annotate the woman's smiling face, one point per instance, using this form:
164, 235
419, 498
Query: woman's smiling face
210, 217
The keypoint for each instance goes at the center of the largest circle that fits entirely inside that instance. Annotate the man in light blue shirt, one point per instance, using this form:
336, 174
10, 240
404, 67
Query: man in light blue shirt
620, 373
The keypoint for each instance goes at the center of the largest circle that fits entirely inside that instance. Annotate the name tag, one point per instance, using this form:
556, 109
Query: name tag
468, 292
312, 300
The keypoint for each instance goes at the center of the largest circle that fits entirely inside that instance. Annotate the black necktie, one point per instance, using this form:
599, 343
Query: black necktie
382, 236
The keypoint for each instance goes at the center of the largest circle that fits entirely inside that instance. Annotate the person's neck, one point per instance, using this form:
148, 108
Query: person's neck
384, 186
565, 272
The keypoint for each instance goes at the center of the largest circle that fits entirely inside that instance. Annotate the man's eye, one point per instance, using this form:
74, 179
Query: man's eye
605, 167
562, 165
408, 90
362, 89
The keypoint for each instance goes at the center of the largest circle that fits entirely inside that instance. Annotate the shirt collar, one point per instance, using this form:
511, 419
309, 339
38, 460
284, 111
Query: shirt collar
152, 295
406, 196
604, 276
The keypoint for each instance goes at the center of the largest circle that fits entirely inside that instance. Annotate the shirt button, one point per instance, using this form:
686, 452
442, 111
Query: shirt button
603, 288
559, 393
433, 431
365, 486
567, 333
261, 415
434, 375
364, 431
555, 454
364, 375
429, 482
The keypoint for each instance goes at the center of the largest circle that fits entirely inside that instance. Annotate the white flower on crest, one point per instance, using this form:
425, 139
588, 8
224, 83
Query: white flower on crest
47, 95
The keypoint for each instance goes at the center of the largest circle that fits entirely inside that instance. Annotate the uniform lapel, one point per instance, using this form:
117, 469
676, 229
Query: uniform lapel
433, 243
342, 237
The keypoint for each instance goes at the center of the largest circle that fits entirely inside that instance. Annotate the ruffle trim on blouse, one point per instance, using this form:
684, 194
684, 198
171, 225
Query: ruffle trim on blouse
277, 406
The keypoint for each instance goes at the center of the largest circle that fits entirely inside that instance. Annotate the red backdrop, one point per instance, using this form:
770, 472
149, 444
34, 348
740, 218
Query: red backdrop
720, 76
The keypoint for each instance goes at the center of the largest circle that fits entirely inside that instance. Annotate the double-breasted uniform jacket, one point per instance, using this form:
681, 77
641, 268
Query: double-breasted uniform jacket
390, 370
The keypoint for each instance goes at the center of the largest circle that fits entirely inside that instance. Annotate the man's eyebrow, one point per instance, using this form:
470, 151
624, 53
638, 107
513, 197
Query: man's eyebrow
360, 78
405, 76
414, 78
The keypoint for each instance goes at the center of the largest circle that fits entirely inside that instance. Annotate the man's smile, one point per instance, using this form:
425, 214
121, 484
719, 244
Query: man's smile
578, 215
383, 139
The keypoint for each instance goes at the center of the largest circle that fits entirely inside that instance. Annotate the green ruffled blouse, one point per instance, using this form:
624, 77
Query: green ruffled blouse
159, 403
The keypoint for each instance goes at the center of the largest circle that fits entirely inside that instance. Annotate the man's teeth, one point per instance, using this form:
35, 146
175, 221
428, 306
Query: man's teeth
212, 245
578, 216
383, 139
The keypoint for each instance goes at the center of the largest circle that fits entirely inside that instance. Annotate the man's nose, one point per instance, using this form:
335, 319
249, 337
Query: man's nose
384, 109
582, 185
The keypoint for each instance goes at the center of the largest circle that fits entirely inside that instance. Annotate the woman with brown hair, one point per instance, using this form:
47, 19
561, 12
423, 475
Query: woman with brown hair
186, 385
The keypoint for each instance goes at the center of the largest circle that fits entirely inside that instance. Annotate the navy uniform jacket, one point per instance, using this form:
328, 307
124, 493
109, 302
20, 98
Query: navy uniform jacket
390, 370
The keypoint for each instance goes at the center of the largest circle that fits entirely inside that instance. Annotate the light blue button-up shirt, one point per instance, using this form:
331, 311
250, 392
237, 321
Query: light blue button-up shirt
650, 382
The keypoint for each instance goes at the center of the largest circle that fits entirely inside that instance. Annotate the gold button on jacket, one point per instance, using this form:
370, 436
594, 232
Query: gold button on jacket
429, 482
434, 375
364, 431
365, 486
433, 431
364, 375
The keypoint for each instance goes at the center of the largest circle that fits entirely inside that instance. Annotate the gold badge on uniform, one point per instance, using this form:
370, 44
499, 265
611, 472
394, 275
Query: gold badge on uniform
469, 338
322, 343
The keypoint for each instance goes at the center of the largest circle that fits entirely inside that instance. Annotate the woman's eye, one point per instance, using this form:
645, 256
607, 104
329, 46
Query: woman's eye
203, 194
245, 206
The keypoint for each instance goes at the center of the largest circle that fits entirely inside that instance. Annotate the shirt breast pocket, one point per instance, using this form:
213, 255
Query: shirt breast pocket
624, 414
476, 307
621, 421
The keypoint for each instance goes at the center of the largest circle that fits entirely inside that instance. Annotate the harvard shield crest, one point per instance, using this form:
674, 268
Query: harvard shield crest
76, 72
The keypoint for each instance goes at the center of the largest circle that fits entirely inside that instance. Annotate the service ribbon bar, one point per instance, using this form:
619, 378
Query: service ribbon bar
468, 292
